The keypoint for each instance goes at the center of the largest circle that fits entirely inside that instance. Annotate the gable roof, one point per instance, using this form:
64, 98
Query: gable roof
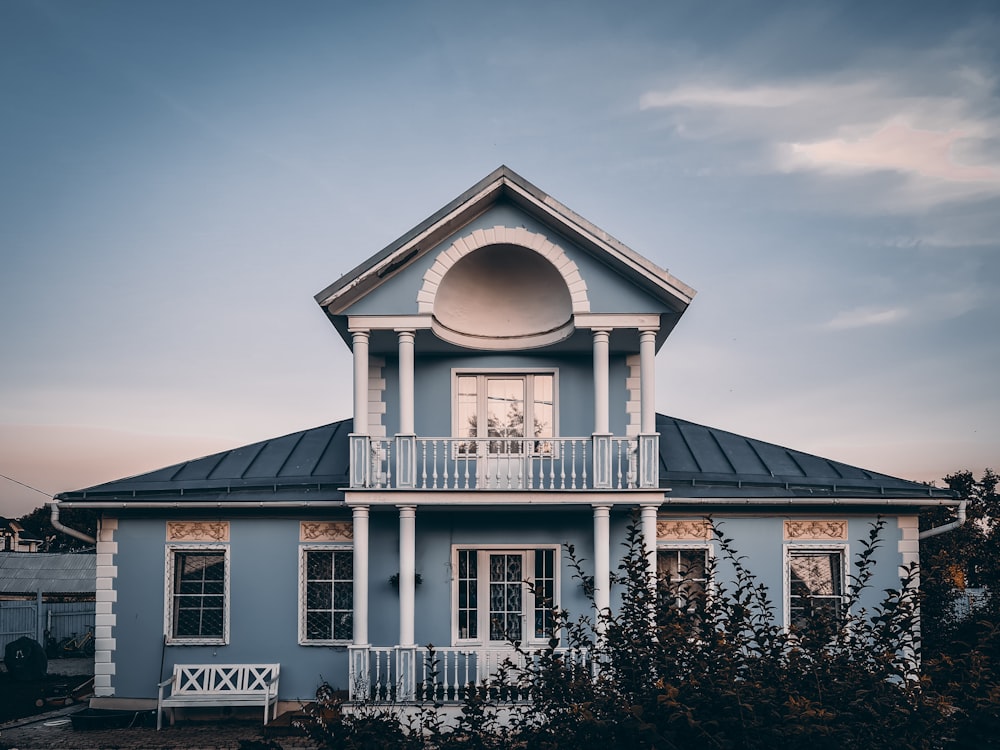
311, 467
50, 573
503, 183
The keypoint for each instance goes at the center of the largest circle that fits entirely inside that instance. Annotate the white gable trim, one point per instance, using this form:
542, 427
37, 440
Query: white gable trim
500, 235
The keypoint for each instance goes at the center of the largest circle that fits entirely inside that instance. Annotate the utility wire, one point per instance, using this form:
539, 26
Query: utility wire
35, 489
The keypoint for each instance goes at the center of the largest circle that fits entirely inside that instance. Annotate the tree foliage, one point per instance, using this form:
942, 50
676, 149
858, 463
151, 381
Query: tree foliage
719, 672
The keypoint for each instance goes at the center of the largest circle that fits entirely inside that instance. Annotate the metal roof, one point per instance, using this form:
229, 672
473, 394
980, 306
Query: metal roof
308, 465
50, 573
704, 462
696, 461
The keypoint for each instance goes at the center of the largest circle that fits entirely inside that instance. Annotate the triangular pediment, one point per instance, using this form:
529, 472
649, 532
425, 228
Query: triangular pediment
558, 236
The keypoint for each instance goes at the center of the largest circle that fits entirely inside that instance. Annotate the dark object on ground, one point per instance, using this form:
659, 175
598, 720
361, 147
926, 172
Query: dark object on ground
96, 718
25, 659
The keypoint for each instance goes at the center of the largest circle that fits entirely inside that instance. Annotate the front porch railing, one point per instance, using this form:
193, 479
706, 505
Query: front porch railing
410, 462
450, 674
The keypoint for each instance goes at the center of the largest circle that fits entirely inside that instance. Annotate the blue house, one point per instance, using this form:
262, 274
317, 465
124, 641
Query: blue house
504, 367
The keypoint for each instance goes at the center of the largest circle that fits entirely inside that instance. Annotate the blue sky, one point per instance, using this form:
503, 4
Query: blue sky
180, 178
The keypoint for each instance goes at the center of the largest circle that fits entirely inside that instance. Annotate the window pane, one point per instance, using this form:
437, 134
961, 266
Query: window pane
542, 415
505, 409
506, 594
544, 591
468, 581
468, 421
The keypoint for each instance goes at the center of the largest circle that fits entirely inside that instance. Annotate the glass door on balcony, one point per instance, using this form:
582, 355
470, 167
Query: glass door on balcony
507, 418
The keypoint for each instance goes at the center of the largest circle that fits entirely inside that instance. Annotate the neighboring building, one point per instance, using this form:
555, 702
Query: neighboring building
45, 594
503, 388
11, 539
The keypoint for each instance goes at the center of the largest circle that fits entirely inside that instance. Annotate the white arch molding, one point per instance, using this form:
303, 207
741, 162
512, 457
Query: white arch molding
574, 294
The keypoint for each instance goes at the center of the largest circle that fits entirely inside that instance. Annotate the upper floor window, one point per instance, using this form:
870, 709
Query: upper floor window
501, 410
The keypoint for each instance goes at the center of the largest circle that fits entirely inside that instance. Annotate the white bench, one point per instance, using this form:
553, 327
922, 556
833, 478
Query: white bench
202, 685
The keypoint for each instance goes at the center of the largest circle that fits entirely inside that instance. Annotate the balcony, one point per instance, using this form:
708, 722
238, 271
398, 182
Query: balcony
599, 462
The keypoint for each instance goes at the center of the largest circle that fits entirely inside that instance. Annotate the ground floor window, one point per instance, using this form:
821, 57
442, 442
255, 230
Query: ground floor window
197, 594
326, 595
504, 595
815, 585
683, 574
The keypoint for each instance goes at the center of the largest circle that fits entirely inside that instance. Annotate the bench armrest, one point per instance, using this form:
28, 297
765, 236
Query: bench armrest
166, 682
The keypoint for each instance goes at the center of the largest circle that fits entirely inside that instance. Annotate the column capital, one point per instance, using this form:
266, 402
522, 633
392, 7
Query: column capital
360, 334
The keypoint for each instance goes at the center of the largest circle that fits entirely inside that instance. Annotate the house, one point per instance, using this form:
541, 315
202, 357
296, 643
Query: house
503, 396
11, 539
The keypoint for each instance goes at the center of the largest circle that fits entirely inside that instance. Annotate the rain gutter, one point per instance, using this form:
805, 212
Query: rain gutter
959, 521
54, 520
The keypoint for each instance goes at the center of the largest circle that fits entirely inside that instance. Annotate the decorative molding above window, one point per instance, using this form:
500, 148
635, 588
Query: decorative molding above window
326, 531
674, 530
197, 531
822, 530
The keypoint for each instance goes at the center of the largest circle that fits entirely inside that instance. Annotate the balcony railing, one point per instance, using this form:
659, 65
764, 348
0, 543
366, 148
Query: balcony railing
504, 463
396, 674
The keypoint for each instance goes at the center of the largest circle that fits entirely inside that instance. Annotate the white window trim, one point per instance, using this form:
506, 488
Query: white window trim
504, 372
168, 596
529, 599
786, 573
707, 547
303, 548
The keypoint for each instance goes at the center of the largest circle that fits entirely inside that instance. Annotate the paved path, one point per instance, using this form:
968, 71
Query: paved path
53, 731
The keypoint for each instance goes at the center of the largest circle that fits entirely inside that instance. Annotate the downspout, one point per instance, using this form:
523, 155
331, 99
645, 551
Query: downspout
54, 520
959, 521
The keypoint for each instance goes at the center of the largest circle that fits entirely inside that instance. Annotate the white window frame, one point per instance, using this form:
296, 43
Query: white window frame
707, 548
528, 599
504, 372
304, 640
169, 596
792, 550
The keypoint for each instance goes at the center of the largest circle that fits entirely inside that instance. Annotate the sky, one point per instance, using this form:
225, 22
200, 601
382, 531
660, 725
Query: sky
179, 178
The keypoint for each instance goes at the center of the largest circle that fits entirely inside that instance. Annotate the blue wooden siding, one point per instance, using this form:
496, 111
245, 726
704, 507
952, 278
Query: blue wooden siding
264, 584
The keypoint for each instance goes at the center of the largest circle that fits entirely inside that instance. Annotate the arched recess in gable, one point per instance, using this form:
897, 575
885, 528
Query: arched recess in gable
503, 288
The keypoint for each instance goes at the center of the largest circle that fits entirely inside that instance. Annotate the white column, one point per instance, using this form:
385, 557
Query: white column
407, 573
601, 367
359, 678
360, 348
647, 515
647, 380
360, 575
406, 382
602, 559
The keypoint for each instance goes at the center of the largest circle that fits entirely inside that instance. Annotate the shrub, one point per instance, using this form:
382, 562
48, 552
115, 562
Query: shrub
719, 672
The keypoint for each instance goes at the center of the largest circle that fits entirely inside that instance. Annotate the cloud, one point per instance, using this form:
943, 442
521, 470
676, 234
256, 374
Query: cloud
895, 147
864, 317
936, 136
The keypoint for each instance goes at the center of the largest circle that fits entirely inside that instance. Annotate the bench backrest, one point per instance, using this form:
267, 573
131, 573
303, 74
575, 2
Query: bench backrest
216, 679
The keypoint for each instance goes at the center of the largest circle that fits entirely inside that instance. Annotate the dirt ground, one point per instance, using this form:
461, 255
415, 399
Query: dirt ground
18, 698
